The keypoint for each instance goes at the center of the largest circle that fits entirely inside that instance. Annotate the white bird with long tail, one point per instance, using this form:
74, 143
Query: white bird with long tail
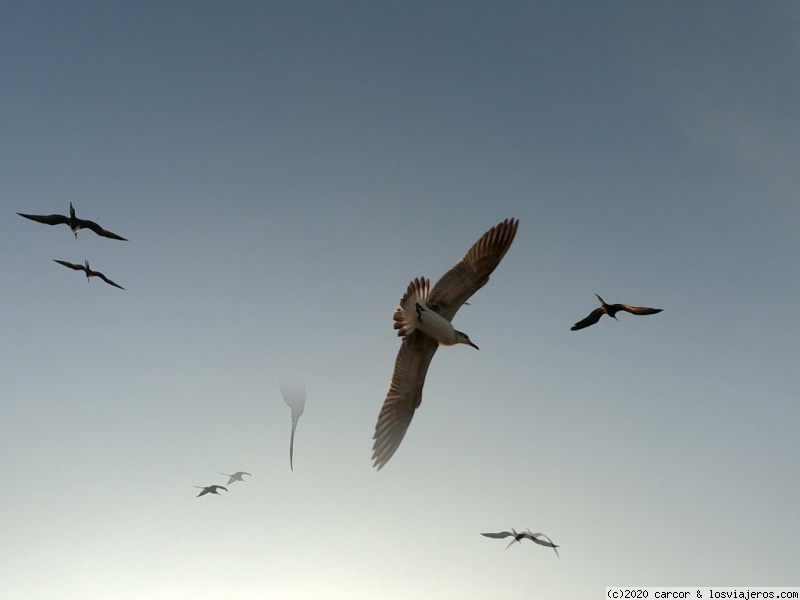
294, 394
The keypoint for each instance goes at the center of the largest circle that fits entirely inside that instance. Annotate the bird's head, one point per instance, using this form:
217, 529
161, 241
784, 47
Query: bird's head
463, 338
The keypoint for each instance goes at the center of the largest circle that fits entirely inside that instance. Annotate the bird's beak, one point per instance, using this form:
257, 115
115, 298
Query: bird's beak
473, 345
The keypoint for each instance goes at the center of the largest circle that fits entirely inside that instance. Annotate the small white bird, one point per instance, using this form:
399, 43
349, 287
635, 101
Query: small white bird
423, 319
527, 534
294, 394
236, 477
209, 489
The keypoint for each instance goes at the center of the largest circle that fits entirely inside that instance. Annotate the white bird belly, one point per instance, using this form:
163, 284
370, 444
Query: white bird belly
436, 326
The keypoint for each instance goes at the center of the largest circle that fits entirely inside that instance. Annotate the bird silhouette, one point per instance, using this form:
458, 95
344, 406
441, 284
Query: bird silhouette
210, 489
424, 320
504, 534
75, 224
611, 310
89, 272
294, 394
527, 534
235, 477
546, 542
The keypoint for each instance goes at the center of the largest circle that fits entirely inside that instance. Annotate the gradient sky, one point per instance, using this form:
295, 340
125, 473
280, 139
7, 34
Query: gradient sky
282, 171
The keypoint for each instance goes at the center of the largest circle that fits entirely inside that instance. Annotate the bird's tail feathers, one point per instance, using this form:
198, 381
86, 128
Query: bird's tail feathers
405, 315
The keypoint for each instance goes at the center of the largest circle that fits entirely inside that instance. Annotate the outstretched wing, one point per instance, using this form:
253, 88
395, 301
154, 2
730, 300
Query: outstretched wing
47, 219
593, 318
534, 537
639, 310
107, 280
498, 536
405, 395
512, 542
86, 224
472, 272
70, 265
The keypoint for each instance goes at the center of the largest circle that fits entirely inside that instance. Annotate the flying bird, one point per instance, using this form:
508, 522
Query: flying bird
546, 542
527, 534
89, 272
611, 310
75, 224
504, 534
235, 477
294, 394
210, 489
423, 319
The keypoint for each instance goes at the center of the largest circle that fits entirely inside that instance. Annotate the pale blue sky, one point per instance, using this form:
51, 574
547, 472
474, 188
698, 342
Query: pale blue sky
282, 171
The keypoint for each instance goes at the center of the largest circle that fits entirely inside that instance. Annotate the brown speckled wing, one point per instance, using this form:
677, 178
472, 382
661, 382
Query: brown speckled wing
472, 272
405, 395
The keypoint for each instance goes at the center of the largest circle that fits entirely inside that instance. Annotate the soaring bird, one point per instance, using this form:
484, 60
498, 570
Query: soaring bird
88, 271
546, 542
294, 394
527, 534
423, 319
235, 477
209, 489
75, 224
504, 534
611, 310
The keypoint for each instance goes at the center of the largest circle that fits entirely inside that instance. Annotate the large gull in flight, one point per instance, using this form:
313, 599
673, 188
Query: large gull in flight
423, 319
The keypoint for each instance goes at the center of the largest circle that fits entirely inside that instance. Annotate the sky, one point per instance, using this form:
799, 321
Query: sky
282, 170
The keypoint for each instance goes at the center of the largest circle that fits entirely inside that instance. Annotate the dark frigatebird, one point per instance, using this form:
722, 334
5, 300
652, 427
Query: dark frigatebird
611, 310
89, 272
75, 224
